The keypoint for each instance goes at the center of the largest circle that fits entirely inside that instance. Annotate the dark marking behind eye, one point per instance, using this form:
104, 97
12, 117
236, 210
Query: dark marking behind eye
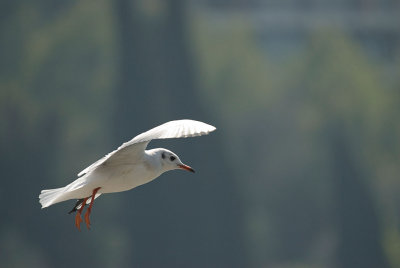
163, 155
172, 158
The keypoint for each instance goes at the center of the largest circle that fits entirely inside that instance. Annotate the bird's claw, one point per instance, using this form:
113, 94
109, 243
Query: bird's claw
78, 220
87, 218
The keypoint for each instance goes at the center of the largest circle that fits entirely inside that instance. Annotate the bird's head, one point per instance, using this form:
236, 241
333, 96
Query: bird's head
170, 161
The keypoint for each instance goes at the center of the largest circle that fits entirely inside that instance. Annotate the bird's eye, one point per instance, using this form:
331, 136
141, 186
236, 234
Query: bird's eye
163, 155
172, 158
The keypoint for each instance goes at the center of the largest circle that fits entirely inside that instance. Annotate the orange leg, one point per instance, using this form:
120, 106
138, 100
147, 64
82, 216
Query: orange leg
78, 218
89, 209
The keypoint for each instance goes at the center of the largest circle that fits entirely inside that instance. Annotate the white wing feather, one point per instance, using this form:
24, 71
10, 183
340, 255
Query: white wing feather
173, 129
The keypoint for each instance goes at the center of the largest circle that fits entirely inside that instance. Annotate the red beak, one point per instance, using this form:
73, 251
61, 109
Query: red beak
185, 167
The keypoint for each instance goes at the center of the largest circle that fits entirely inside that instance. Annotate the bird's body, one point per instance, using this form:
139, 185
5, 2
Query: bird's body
127, 167
111, 178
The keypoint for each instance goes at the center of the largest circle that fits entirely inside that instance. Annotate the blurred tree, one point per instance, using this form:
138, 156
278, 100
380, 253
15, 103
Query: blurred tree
194, 223
358, 228
349, 96
296, 109
49, 117
261, 114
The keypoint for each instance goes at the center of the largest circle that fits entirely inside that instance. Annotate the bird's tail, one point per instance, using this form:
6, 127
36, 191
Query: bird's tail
50, 196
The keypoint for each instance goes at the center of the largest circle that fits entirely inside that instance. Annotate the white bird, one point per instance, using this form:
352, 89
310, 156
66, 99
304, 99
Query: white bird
125, 168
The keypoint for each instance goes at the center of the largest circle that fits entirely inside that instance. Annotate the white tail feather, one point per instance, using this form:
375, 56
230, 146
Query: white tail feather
49, 197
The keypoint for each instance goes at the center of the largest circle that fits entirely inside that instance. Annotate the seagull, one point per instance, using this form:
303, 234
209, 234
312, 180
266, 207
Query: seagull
125, 168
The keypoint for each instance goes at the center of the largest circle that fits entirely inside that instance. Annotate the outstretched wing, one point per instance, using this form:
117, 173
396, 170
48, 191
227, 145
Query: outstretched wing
173, 129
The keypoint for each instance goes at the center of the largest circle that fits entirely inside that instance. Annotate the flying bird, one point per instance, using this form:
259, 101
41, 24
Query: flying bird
125, 168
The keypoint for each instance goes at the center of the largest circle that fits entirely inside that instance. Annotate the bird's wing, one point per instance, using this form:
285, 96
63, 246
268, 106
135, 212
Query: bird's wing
173, 129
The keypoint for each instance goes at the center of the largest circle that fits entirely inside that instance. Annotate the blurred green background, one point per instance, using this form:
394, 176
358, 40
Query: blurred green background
303, 170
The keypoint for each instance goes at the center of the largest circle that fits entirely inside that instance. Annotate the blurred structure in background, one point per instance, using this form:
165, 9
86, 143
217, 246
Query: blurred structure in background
303, 170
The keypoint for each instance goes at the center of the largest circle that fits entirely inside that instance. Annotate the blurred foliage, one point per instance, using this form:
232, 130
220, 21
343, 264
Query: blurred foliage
280, 115
311, 142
